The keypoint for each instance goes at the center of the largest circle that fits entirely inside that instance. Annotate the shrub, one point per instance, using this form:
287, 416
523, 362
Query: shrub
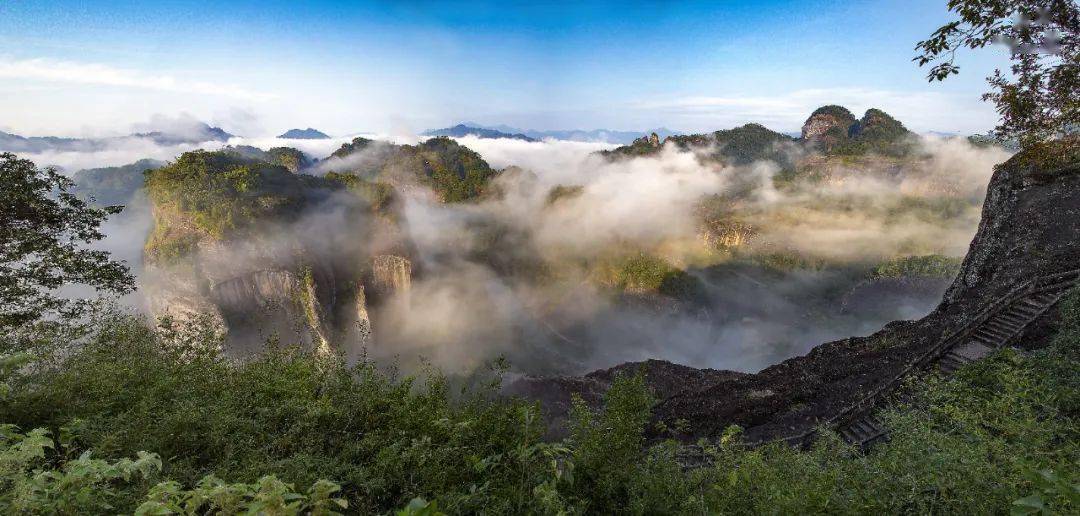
1001, 434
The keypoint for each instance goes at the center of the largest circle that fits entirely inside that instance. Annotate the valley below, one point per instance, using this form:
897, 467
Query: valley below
717, 264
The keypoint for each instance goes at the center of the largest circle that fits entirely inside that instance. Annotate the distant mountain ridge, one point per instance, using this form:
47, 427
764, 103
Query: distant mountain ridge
461, 130
199, 133
575, 135
304, 134
831, 130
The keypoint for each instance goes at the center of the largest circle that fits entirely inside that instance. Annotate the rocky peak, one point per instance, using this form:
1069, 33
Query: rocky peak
652, 140
877, 124
827, 121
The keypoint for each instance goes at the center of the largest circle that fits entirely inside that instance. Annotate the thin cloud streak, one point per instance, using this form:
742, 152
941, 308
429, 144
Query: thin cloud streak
52, 70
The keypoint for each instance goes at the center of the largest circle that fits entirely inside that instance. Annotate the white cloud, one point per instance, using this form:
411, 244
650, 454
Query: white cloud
100, 74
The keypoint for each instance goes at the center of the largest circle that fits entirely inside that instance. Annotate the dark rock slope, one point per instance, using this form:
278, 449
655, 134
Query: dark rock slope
1030, 227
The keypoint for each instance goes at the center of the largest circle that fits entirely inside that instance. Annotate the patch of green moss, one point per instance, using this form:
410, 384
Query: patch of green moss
1044, 159
932, 265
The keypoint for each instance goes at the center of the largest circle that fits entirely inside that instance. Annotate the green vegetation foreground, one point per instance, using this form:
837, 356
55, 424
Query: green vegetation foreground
155, 420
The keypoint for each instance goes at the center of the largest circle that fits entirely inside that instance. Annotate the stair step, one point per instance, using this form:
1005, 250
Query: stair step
847, 436
1029, 311
1001, 333
950, 363
994, 331
883, 436
984, 340
1015, 312
859, 432
1013, 319
864, 425
991, 338
957, 357
1004, 326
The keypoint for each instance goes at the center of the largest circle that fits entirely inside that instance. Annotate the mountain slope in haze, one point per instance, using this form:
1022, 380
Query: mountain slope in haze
455, 172
292, 159
244, 242
304, 134
197, 133
461, 130
829, 132
1029, 228
113, 185
738, 146
578, 135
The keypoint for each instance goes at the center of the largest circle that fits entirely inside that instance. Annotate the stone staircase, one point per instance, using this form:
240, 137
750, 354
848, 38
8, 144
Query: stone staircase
865, 431
993, 328
1003, 324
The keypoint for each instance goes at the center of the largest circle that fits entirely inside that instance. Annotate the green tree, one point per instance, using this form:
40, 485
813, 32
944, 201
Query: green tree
45, 231
1040, 99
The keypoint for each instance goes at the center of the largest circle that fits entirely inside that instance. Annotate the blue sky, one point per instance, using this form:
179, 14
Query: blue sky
257, 68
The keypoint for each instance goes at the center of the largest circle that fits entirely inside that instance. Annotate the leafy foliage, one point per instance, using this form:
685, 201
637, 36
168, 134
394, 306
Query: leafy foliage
380, 196
643, 272
290, 158
1001, 434
45, 231
1042, 98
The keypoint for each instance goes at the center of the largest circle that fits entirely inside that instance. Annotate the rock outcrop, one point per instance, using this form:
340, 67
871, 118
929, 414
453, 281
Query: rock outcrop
244, 242
390, 275
828, 124
833, 129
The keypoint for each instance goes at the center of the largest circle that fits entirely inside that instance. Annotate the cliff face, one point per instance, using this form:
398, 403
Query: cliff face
828, 123
264, 252
1030, 227
1030, 224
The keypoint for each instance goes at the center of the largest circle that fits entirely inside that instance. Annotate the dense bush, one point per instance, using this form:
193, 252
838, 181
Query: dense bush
642, 272
454, 171
223, 192
1002, 434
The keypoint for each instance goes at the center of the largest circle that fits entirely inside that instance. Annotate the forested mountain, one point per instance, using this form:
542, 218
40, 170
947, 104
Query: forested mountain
304, 134
460, 130
113, 185
197, 133
453, 171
